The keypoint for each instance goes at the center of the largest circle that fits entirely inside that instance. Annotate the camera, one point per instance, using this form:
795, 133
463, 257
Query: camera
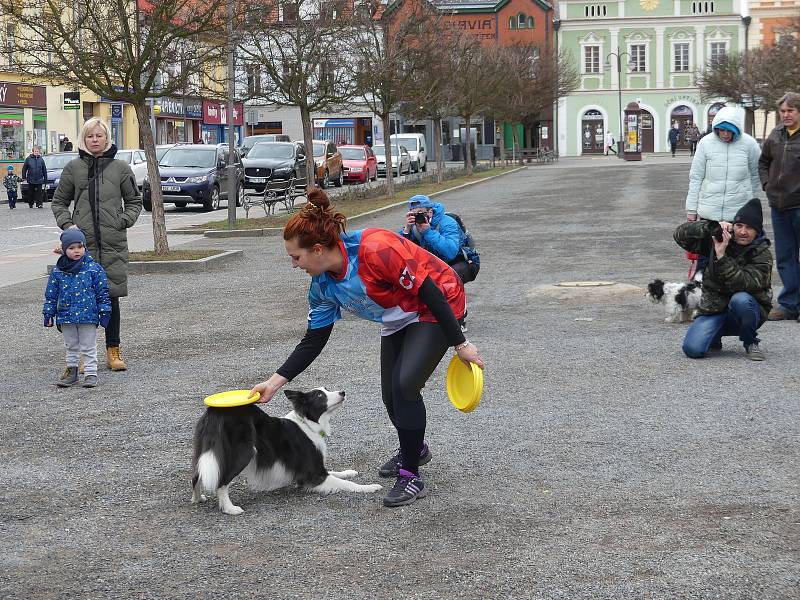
420, 218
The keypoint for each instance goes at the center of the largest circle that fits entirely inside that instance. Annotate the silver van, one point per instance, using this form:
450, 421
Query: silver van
416, 146
252, 140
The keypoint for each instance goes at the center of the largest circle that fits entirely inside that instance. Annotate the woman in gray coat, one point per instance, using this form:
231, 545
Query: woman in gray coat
99, 195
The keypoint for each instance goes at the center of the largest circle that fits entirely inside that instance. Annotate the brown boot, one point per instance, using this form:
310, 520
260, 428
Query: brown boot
114, 360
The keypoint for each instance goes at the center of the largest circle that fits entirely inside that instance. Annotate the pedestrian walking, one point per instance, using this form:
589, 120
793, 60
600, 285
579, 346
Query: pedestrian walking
737, 290
673, 136
76, 299
610, 142
694, 137
379, 276
34, 171
99, 195
779, 170
11, 183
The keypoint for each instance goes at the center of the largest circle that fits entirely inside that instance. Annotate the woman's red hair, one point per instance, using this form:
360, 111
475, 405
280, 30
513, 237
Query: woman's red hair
316, 223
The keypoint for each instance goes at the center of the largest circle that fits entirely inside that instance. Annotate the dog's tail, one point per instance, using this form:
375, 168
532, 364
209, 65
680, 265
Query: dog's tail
208, 470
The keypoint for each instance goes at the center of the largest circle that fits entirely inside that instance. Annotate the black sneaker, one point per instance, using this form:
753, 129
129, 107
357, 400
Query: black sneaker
754, 352
391, 468
406, 490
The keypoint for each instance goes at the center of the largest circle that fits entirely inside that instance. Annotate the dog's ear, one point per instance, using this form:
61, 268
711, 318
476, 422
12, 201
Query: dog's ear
294, 396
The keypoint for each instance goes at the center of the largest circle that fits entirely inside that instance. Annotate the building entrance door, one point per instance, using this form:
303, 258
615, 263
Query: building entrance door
712, 112
682, 115
592, 133
648, 136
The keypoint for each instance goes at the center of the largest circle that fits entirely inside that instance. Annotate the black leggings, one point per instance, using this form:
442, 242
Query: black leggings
408, 358
112, 331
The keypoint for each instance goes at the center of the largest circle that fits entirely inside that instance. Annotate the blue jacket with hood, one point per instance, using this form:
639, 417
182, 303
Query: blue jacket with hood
443, 238
724, 176
77, 292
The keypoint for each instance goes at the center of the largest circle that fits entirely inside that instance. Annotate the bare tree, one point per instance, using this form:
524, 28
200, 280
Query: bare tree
387, 53
477, 80
536, 81
754, 79
297, 47
123, 50
429, 94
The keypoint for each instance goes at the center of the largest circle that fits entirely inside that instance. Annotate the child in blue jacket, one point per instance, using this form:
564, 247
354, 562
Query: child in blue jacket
11, 183
76, 298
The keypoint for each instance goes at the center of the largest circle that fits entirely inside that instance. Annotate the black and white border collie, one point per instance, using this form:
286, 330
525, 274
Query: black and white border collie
680, 300
270, 452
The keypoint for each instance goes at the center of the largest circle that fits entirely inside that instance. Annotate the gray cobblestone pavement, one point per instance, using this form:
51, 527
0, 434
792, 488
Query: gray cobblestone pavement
601, 463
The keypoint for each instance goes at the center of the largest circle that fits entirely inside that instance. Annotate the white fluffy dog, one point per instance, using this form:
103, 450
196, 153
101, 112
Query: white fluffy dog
680, 299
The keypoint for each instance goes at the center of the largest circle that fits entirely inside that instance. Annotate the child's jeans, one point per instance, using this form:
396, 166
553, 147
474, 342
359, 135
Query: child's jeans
12, 198
81, 340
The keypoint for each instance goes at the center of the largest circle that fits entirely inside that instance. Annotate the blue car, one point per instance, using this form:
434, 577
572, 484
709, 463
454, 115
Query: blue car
55, 163
195, 174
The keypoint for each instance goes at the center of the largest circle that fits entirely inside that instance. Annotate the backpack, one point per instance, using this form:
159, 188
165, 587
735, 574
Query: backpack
468, 253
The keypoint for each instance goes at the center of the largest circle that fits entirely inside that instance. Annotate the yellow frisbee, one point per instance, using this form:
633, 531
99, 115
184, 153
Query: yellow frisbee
230, 399
464, 385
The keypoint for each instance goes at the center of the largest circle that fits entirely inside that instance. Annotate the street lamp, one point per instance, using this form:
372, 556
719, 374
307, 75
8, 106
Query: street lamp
618, 55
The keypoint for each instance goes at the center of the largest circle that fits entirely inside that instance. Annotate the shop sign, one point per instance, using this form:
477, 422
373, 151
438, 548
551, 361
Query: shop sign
193, 109
322, 123
12, 122
215, 113
170, 107
683, 98
477, 26
72, 100
27, 96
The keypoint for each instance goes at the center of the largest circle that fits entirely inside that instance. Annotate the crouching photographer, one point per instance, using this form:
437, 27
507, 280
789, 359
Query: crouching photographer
443, 235
737, 289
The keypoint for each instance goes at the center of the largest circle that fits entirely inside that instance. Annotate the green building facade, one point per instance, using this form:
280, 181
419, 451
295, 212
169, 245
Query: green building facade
644, 51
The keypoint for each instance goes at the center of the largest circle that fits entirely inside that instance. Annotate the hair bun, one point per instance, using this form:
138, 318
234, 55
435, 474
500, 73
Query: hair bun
319, 198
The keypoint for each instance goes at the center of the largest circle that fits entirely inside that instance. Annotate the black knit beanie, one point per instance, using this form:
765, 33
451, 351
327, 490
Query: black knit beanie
750, 214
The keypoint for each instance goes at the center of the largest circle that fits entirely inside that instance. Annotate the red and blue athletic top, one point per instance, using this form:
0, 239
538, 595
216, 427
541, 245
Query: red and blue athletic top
380, 282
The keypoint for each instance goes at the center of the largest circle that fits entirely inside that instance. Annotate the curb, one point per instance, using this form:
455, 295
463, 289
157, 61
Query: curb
184, 266
267, 231
143, 267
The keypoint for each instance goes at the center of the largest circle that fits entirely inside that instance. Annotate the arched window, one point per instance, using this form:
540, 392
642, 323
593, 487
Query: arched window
530, 22
512, 23
521, 20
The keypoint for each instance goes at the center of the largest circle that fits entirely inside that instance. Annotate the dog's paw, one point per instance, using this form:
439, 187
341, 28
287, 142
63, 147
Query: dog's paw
347, 474
198, 498
233, 510
371, 488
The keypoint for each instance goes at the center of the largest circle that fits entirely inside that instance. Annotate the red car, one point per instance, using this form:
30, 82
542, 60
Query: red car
360, 164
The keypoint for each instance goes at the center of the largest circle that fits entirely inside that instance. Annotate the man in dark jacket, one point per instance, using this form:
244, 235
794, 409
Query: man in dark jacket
779, 171
34, 172
674, 136
737, 289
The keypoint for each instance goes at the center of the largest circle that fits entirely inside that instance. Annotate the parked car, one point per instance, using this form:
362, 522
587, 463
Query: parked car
54, 163
136, 159
415, 144
401, 159
161, 150
252, 140
273, 160
329, 164
196, 174
359, 163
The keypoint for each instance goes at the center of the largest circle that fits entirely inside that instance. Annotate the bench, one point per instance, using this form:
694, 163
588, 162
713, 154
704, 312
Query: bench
276, 191
541, 154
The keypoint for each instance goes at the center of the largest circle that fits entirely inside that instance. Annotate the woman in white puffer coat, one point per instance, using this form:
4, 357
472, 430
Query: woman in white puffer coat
724, 173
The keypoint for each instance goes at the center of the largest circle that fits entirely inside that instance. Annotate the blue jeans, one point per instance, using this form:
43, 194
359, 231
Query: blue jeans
786, 230
743, 318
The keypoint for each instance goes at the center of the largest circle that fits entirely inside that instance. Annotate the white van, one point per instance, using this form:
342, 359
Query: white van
415, 144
